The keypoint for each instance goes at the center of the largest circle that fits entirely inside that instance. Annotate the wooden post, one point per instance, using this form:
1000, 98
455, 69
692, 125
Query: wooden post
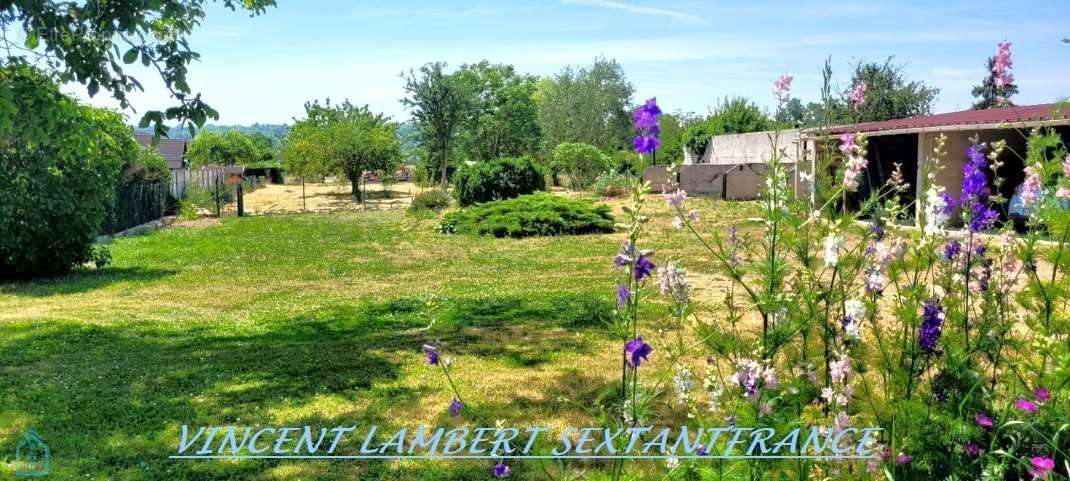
241, 200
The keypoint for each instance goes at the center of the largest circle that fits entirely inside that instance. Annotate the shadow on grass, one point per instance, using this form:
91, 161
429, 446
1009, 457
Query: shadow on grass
109, 400
83, 281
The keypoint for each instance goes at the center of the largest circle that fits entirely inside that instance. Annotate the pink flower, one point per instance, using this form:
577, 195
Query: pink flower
1042, 394
1063, 193
842, 421
972, 449
983, 420
903, 458
847, 143
1066, 166
857, 95
1026, 405
1002, 65
676, 199
1031, 188
782, 87
1041, 466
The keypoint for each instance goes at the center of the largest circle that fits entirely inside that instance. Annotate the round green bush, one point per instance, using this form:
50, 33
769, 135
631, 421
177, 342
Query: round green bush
503, 178
530, 215
581, 162
59, 164
430, 200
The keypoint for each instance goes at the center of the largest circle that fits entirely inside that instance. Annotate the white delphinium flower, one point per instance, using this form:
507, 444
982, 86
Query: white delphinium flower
854, 312
683, 383
936, 208
833, 244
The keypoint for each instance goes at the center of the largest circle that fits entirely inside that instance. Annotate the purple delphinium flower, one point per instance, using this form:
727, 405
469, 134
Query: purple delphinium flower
983, 420
932, 319
730, 420
983, 217
455, 407
1026, 405
624, 257
1042, 394
949, 204
432, 354
643, 267
972, 449
501, 470
952, 249
702, 450
623, 294
975, 190
646, 122
645, 144
903, 458
877, 230
637, 352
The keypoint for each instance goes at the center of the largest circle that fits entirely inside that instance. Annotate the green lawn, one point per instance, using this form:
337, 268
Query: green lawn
301, 320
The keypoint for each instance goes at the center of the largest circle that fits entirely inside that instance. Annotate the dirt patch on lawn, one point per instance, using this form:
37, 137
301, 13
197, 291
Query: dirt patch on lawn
274, 198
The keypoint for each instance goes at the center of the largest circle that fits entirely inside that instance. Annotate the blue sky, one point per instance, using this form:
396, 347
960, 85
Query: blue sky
688, 53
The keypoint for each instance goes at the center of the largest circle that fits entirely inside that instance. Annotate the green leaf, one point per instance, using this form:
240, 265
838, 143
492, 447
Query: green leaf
32, 40
130, 56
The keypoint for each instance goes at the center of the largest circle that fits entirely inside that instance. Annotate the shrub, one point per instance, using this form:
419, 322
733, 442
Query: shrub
197, 197
498, 179
734, 116
530, 215
581, 162
147, 167
100, 256
66, 159
429, 200
613, 184
627, 162
221, 148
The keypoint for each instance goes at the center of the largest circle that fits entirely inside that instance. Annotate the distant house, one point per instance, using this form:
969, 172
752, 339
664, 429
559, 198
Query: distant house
172, 150
909, 143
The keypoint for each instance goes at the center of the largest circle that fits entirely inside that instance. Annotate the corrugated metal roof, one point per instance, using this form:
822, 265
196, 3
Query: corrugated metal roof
1005, 115
172, 150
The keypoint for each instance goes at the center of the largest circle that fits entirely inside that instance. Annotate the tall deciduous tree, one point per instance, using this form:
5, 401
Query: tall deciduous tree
502, 120
343, 139
591, 105
89, 42
438, 104
989, 94
889, 94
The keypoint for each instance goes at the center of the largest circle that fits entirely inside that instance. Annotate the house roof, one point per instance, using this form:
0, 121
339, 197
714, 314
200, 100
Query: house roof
1017, 116
172, 150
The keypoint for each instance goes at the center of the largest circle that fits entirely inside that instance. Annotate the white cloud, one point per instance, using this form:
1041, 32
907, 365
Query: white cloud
627, 7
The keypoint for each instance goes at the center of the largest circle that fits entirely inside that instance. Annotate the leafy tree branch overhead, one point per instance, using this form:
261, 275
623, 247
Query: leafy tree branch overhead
91, 43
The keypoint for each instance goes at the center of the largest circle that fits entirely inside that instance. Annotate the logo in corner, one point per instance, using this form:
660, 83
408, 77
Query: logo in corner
32, 456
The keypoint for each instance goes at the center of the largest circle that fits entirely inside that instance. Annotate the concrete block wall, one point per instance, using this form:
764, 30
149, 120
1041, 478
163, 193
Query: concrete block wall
752, 148
730, 182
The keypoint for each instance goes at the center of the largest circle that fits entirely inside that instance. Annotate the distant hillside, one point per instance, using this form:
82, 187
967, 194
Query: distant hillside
274, 131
